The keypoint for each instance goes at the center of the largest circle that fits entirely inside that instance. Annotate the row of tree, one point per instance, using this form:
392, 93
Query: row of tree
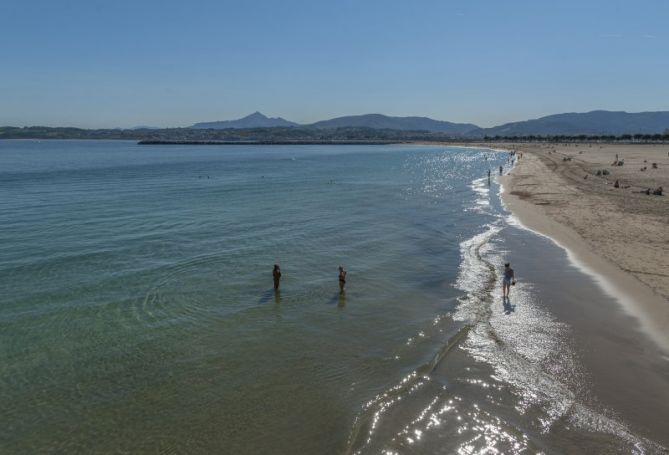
582, 138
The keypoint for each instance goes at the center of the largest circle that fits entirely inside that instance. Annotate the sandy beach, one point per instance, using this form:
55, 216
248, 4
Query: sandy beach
620, 234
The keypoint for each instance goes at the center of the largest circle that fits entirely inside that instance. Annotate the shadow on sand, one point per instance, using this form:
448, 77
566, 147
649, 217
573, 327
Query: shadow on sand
506, 304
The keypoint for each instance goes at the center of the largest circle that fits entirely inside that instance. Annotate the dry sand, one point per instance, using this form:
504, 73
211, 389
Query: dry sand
620, 234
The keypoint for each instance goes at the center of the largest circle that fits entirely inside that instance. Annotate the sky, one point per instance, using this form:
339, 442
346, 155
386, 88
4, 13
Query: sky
167, 63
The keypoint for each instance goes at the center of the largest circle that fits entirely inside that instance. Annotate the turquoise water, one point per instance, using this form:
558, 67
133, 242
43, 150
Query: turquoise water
138, 313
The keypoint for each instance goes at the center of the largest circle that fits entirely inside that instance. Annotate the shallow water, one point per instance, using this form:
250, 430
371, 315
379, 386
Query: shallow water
138, 313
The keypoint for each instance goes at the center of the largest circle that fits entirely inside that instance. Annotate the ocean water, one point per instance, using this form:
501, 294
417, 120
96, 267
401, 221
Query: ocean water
137, 312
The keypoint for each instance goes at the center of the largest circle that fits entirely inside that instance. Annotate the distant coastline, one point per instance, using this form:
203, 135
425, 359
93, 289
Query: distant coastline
323, 142
603, 126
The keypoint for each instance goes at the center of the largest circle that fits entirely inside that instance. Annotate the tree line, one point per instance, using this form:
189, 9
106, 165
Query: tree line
582, 138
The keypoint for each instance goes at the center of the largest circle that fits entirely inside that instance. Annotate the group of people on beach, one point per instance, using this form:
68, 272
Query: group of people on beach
276, 276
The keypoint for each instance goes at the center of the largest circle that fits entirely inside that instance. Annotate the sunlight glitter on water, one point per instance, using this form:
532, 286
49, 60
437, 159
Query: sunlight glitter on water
515, 395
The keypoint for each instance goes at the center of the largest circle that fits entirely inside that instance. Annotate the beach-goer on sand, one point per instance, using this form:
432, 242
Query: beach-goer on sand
488, 176
507, 280
276, 275
342, 279
501, 169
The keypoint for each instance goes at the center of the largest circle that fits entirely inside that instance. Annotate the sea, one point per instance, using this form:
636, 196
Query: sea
137, 312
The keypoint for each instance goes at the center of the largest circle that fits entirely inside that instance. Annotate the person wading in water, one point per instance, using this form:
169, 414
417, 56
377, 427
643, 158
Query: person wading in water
342, 279
276, 275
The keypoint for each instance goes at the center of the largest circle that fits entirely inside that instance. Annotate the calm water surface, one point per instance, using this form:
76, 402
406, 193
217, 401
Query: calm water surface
137, 313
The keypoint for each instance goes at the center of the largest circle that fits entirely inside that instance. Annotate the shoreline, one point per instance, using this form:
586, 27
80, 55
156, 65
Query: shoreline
527, 203
270, 142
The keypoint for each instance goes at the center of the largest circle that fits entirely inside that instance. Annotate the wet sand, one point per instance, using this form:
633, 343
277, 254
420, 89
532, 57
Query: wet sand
620, 234
625, 374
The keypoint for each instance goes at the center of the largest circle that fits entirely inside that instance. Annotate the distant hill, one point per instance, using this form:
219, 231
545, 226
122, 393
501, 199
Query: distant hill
255, 120
368, 127
569, 124
588, 123
379, 121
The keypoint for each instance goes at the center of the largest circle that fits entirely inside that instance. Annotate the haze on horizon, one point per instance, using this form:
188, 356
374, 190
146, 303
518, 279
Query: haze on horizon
168, 63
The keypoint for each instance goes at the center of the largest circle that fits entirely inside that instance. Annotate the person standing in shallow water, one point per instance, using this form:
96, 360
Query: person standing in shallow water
276, 275
342, 279
508, 279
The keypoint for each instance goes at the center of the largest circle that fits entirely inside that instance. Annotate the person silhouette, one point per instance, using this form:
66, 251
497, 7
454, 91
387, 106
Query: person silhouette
342, 279
276, 275
507, 280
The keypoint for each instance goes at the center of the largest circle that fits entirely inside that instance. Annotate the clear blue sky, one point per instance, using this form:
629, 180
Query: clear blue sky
123, 63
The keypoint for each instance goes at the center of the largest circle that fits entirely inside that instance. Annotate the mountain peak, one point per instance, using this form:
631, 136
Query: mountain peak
255, 120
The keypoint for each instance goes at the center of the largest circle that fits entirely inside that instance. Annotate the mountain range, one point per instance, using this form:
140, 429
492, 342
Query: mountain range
595, 123
588, 123
384, 122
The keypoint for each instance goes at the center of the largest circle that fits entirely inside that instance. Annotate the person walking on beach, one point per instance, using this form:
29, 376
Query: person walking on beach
507, 280
276, 275
342, 279
488, 176
501, 169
